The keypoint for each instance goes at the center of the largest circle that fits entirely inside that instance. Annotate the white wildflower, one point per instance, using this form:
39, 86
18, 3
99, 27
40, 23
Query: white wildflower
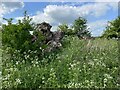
105, 80
95, 59
36, 62
108, 76
17, 63
18, 81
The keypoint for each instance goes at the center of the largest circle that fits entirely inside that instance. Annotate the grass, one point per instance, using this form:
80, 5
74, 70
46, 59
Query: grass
79, 64
0, 59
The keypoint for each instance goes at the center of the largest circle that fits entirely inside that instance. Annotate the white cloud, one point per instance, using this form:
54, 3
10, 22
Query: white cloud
62, 14
41, 17
97, 27
57, 14
7, 7
106, 1
67, 14
18, 18
61, 0
111, 3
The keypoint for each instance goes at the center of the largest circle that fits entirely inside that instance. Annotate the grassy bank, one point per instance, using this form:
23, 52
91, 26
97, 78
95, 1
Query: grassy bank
79, 64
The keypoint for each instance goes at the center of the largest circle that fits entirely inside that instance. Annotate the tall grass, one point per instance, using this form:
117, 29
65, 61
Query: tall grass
0, 59
79, 64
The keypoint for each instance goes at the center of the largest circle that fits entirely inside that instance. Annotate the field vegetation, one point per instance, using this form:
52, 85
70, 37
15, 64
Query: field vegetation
81, 62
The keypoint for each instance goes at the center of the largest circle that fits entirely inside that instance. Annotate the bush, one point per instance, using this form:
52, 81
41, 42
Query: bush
18, 37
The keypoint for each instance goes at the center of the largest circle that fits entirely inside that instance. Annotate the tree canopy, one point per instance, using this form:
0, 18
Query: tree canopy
66, 29
112, 29
18, 37
79, 28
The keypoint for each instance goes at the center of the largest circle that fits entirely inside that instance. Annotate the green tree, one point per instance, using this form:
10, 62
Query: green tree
66, 29
18, 37
112, 29
80, 27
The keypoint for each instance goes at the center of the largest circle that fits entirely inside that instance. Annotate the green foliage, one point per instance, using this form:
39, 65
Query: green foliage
113, 29
66, 29
81, 64
80, 27
0, 59
17, 36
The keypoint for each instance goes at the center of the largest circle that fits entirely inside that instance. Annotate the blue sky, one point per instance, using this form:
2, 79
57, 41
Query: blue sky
55, 13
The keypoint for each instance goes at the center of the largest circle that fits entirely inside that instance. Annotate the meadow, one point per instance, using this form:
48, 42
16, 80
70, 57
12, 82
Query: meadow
78, 64
0, 59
